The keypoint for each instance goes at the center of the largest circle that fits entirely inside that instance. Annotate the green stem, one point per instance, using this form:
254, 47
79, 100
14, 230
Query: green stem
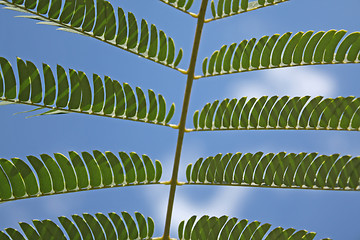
2, 201
189, 82
252, 185
15, 101
274, 128
200, 77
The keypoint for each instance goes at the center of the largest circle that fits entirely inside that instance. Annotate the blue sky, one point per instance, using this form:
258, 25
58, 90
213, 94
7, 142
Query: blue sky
330, 214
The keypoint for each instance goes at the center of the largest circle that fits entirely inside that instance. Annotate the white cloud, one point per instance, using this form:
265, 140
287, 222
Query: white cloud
287, 81
222, 201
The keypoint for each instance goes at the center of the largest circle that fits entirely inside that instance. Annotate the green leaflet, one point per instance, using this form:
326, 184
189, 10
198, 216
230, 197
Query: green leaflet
144, 37
153, 45
29, 231
131, 105
141, 99
99, 95
70, 179
79, 13
280, 113
219, 113
107, 226
272, 52
13, 233
133, 32
14, 176
139, 166
75, 96
5, 188
281, 170
131, 225
94, 225
116, 167
67, 12
62, 87
101, 22
200, 229
162, 109
258, 49
171, 51
9, 89
153, 106
70, 228
212, 62
220, 58
50, 85
109, 96
55, 173
237, 55
72, 92
158, 168
43, 6
227, 57
86, 226
244, 116
110, 28
345, 46
203, 114
82, 225
222, 228
120, 226
60, 174
163, 46
269, 46
24, 80
94, 170
28, 176
50, 228
43, 175
226, 120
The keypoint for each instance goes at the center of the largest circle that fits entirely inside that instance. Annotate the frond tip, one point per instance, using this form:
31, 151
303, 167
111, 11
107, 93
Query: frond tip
282, 51
301, 113
232, 228
99, 20
226, 8
281, 170
60, 175
86, 226
182, 5
106, 98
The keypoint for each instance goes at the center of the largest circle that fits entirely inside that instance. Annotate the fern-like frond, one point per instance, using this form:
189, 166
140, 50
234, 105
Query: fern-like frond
281, 170
232, 228
98, 226
59, 174
182, 5
101, 22
106, 97
284, 51
301, 113
226, 8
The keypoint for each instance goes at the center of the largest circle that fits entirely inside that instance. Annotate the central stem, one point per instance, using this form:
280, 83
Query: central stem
189, 82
